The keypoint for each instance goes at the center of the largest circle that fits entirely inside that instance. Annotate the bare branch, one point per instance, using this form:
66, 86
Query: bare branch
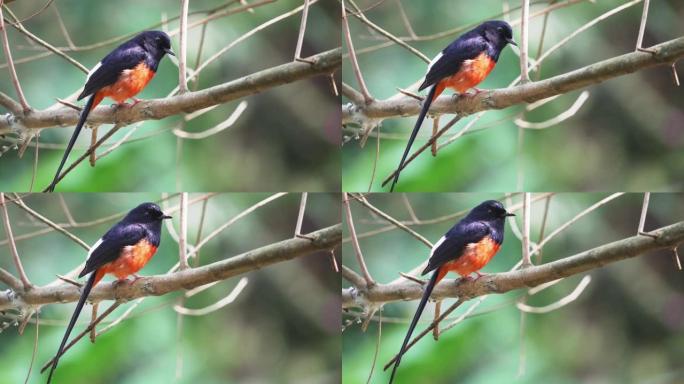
668, 237
664, 54
323, 63
323, 239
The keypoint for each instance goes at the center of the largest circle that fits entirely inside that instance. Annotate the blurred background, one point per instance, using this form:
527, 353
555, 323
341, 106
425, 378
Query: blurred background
628, 135
627, 326
289, 138
282, 328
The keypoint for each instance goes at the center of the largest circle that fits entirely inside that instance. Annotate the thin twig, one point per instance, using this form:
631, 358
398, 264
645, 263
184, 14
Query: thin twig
10, 62
302, 31
560, 303
524, 36
50, 223
644, 211
526, 216
352, 56
12, 245
80, 335
300, 215
642, 26
355, 242
183, 235
182, 59
35, 348
392, 220
217, 305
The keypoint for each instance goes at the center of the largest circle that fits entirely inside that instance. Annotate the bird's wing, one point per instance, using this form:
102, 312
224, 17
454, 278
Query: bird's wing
450, 60
109, 247
450, 247
107, 71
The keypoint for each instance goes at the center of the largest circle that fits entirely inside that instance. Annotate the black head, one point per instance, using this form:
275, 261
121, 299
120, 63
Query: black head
146, 213
489, 210
156, 43
497, 32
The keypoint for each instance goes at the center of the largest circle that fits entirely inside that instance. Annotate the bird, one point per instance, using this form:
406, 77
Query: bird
123, 250
121, 75
462, 65
465, 249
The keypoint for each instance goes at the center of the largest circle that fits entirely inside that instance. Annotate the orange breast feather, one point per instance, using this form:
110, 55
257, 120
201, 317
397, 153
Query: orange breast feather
472, 73
131, 260
130, 83
475, 257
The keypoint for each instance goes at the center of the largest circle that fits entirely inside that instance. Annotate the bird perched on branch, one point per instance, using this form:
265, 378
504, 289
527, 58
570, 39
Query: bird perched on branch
122, 251
466, 248
462, 65
121, 75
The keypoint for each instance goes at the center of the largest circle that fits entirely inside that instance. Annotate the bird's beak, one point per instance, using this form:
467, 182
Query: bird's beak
512, 42
167, 217
170, 52
510, 214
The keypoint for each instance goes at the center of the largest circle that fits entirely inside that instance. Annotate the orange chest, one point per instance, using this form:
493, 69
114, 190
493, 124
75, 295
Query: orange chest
129, 84
472, 73
131, 260
475, 256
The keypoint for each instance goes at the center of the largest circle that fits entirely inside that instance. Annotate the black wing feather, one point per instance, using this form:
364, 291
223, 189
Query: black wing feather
466, 47
455, 242
113, 242
128, 56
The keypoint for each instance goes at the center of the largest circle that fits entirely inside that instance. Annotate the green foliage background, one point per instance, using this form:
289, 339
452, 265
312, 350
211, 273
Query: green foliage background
283, 328
629, 135
626, 327
288, 133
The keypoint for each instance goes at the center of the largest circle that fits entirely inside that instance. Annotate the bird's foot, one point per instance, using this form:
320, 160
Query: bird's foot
480, 274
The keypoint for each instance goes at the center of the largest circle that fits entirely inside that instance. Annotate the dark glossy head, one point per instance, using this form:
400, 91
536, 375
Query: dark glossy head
146, 213
497, 32
157, 43
489, 210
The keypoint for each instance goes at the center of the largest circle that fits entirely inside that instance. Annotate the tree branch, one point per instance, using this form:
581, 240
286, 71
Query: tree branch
323, 239
322, 63
666, 238
663, 54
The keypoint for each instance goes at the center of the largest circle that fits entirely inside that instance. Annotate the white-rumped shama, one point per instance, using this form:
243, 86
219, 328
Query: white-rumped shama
466, 248
121, 75
462, 65
122, 251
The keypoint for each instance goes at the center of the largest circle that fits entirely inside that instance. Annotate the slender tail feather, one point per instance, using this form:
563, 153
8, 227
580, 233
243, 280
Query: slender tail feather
81, 121
414, 133
421, 306
84, 295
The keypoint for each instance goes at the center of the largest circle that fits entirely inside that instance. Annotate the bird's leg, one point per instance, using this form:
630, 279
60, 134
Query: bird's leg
479, 274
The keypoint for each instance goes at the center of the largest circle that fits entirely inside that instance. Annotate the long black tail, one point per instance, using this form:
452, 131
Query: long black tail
421, 306
84, 295
81, 121
414, 133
